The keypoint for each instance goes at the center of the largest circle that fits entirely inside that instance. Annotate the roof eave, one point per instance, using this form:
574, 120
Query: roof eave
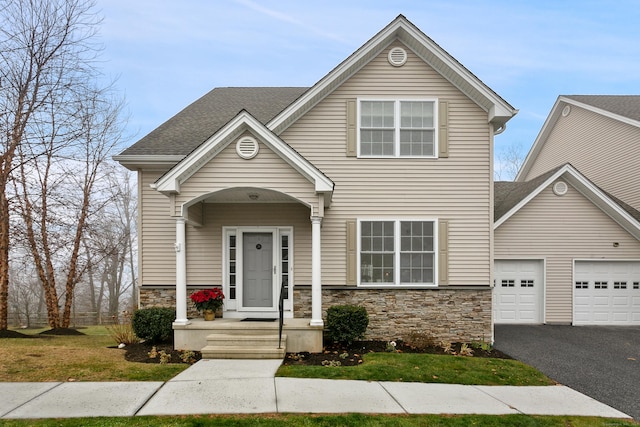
135, 162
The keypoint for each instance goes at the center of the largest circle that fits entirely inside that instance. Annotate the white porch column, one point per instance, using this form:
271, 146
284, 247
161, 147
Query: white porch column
181, 273
316, 275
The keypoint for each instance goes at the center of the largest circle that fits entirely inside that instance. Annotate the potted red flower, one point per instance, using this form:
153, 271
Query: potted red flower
208, 301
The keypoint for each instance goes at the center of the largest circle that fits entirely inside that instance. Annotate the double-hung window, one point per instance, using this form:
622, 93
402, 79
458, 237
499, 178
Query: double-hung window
397, 128
397, 252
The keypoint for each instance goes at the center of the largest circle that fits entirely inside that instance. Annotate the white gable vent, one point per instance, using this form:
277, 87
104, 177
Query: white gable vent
397, 56
560, 188
247, 147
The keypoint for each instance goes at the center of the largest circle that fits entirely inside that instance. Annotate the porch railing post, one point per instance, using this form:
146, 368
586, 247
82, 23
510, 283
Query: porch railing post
181, 273
316, 275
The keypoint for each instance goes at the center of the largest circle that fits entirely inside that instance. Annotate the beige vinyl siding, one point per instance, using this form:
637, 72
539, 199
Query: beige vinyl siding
228, 170
605, 150
157, 234
456, 188
560, 229
204, 244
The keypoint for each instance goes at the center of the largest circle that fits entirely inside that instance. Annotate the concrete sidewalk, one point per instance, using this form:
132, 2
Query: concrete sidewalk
249, 387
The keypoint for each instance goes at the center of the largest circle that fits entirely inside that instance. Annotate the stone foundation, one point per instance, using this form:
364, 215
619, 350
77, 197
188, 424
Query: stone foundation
452, 315
436, 314
165, 297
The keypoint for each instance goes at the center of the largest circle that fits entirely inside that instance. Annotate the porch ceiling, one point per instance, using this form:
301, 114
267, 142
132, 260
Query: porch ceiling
249, 195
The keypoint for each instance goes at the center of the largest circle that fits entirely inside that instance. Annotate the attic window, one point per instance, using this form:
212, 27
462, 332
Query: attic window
247, 147
560, 188
397, 56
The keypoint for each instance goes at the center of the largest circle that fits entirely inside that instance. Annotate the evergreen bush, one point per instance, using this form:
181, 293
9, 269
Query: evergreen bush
347, 323
154, 324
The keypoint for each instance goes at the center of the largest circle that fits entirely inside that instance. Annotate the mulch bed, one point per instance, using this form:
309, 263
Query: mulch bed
57, 331
144, 353
351, 355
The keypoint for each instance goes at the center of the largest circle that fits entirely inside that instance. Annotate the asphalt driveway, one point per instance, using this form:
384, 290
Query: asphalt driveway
602, 362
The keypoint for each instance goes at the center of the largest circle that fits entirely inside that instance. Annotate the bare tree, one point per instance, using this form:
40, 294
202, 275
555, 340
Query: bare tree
110, 245
57, 128
508, 162
57, 193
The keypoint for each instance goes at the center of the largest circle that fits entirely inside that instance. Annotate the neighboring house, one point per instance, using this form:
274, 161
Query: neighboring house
567, 244
599, 135
372, 187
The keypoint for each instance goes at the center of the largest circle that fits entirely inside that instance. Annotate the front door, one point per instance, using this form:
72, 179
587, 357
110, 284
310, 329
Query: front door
258, 265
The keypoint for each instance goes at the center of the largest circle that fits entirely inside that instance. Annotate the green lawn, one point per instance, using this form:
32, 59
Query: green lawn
79, 357
426, 368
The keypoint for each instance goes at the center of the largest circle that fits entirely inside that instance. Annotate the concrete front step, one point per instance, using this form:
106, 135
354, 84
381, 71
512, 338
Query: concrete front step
233, 346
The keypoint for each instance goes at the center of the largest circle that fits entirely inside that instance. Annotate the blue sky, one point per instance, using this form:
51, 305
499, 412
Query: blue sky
166, 54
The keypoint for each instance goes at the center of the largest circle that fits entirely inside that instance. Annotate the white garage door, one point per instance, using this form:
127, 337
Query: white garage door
606, 293
518, 291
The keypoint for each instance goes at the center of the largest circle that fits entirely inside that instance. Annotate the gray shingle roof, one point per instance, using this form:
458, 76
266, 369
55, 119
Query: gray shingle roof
507, 194
622, 105
185, 131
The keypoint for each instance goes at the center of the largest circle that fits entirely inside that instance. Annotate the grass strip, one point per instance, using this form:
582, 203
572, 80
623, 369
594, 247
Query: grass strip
426, 368
346, 420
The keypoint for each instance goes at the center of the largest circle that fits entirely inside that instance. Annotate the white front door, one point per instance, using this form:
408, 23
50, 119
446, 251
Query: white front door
518, 291
257, 271
257, 261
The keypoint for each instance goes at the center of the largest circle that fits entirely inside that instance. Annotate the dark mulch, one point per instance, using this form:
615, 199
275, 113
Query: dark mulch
43, 334
62, 331
143, 352
351, 355
13, 334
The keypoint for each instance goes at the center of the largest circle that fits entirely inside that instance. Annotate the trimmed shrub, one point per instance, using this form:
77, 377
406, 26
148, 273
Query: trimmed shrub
347, 323
154, 324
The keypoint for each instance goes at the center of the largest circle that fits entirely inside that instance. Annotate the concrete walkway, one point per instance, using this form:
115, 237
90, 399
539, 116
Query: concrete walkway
250, 387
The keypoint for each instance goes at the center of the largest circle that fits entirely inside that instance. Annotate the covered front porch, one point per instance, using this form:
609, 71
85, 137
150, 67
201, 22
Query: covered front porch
248, 212
255, 244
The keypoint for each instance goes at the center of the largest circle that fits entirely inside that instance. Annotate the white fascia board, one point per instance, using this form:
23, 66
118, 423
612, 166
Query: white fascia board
500, 110
170, 182
548, 125
135, 162
293, 158
588, 190
594, 194
529, 197
602, 112
400, 28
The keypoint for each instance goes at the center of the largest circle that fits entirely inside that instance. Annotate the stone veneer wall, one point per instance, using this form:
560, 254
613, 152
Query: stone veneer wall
439, 314
165, 297
452, 315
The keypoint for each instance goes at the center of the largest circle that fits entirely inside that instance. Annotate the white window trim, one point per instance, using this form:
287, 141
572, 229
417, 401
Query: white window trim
278, 232
396, 280
396, 144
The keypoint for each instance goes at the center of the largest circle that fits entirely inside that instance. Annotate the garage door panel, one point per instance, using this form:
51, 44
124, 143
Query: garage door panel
621, 301
518, 291
528, 299
508, 299
607, 292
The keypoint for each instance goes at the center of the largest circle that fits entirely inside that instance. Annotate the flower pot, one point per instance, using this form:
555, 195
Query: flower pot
209, 315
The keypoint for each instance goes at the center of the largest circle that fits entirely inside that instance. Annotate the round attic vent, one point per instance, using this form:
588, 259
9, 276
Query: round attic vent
397, 56
566, 110
560, 188
247, 147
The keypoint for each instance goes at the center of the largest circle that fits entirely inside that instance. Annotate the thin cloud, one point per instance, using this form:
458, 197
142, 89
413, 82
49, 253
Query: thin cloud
291, 20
